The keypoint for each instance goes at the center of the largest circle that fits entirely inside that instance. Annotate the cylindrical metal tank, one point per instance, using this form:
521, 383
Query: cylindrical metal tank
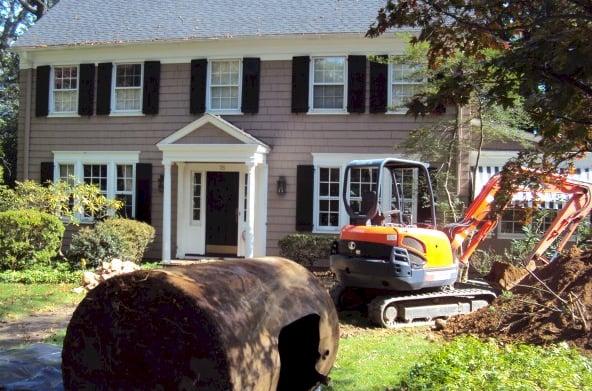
253, 324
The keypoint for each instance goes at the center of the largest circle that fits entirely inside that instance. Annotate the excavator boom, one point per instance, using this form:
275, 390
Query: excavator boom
481, 218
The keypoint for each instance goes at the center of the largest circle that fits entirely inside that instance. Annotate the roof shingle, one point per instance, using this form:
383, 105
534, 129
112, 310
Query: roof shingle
84, 22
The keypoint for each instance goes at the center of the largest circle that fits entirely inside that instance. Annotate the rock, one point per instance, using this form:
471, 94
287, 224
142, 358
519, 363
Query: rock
116, 265
79, 290
439, 324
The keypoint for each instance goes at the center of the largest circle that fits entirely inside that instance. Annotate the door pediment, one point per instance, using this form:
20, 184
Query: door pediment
210, 129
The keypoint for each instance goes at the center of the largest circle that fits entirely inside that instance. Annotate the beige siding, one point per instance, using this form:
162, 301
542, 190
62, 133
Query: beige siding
208, 134
293, 137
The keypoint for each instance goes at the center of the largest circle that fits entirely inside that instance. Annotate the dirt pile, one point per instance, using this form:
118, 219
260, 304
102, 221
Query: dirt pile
555, 307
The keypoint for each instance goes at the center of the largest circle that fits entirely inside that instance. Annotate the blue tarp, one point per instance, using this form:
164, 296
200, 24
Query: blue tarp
32, 367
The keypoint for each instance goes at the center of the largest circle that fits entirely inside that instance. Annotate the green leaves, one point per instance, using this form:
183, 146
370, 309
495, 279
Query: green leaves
470, 364
67, 200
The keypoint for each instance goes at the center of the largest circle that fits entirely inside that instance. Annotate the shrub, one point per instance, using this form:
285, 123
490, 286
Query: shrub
135, 236
28, 237
113, 238
60, 273
306, 248
470, 364
90, 247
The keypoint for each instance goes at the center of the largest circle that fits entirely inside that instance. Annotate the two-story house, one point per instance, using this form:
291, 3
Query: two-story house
226, 125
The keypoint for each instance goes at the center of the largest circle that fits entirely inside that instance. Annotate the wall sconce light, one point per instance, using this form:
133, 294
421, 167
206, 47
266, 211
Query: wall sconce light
281, 185
161, 183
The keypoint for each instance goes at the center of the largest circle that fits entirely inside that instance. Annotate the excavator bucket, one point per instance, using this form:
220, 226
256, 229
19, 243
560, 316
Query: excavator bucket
506, 276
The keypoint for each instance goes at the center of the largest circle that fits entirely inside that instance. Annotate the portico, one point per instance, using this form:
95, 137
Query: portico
221, 197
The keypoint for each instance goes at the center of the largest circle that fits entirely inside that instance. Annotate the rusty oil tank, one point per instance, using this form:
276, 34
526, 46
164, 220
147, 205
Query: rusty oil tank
252, 324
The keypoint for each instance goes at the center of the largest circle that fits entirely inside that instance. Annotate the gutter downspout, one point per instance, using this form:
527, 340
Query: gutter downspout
27, 141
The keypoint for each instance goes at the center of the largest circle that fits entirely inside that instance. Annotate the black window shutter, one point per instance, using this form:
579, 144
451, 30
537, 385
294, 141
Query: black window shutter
251, 82
104, 73
46, 173
300, 70
86, 89
304, 197
378, 86
144, 192
199, 75
356, 84
151, 87
42, 91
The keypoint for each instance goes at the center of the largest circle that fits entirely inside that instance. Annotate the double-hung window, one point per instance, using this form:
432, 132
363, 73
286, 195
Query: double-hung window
405, 81
127, 88
224, 86
328, 84
328, 198
64, 85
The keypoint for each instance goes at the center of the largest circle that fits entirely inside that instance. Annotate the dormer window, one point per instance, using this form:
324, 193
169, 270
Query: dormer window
127, 88
224, 86
328, 84
64, 95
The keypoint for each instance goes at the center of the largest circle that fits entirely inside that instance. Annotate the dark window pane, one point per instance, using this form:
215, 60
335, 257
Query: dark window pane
324, 189
324, 219
335, 189
324, 174
334, 220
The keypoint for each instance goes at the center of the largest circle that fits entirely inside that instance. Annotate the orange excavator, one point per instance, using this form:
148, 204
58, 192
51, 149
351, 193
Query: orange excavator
393, 260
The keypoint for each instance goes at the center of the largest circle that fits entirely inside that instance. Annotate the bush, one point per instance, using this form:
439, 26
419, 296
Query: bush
28, 237
113, 238
135, 236
60, 273
470, 364
306, 248
90, 247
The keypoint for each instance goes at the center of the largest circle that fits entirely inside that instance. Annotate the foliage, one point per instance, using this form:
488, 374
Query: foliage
470, 364
542, 55
306, 248
60, 273
464, 83
65, 199
28, 237
113, 238
135, 236
18, 300
90, 247
15, 17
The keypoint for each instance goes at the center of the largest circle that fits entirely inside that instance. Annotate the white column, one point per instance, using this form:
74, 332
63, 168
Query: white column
260, 246
250, 224
166, 214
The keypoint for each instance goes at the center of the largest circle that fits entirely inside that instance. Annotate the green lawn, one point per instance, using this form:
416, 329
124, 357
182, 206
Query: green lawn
18, 300
377, 359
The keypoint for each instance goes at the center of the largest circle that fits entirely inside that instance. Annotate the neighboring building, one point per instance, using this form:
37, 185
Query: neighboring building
182, 110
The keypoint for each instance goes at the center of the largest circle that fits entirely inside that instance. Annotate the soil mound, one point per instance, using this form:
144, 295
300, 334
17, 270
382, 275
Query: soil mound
555, 307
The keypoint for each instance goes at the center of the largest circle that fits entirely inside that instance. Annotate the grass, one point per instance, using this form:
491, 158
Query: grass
56, 338
376, 360
18, 300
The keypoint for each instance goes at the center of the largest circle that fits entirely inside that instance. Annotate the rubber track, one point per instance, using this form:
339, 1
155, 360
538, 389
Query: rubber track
376, 306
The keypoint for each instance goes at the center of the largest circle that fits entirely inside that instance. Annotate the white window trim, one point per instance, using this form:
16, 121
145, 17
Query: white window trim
109, 158
209, 109
123, 113
311, 84
61, 114
390, 107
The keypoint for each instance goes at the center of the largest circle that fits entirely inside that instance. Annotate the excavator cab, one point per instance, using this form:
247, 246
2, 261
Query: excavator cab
389, 191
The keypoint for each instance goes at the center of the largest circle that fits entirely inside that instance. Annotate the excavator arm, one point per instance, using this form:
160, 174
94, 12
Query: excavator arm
481, 218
